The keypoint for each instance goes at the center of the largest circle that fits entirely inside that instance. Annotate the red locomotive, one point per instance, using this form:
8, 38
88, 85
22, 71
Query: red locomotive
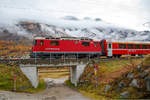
118, 48
85, 47
65, 46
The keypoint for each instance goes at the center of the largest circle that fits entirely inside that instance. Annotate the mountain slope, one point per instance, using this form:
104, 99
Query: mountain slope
70, 26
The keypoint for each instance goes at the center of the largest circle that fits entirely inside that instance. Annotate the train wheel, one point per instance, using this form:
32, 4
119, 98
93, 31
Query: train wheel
109, 56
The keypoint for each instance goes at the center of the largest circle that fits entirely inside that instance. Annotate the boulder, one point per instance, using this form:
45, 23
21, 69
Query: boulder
143, 75
107, 88
138, 68
2, 97
121, 84
124, 95
50, 84
134, 83
118, 89
148, 83
130, 75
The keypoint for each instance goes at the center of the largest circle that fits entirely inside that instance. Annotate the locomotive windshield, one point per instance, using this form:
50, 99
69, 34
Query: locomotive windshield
85, 44
35, 42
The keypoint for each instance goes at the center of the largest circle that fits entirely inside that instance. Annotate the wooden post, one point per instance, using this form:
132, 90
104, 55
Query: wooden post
95, 73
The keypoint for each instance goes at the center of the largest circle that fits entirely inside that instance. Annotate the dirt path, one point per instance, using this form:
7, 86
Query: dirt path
55, 92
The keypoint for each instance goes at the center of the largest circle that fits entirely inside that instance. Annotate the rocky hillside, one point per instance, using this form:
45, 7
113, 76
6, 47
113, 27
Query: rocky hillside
131, 81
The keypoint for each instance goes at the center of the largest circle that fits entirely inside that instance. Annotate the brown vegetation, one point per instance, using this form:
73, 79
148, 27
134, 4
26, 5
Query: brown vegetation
13, 49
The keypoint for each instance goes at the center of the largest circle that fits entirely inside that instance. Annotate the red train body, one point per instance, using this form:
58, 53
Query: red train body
118, 48
65, 46
83, 47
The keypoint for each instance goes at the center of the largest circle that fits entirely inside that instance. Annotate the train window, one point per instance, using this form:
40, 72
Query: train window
137, 46
42, 42
96, 44
149, 46
144, 46
85, 44
122, 46
35, 42
54, 43
130, 46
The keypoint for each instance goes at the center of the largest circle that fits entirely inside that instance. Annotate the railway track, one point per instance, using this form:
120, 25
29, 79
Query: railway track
57, 61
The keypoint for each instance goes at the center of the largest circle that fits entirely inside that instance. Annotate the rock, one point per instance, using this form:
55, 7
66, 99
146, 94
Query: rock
121, 84
138, 68
50, 84
124, 94
134, 83
2, 97
143, 75
107, 88
23, 87
130, 75
148, 83
50, 98
118, 89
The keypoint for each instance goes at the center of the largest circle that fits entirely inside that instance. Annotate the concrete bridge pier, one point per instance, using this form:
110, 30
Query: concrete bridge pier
31, 72
75, 73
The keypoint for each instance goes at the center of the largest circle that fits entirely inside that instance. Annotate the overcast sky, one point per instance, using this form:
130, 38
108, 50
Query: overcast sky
127, 13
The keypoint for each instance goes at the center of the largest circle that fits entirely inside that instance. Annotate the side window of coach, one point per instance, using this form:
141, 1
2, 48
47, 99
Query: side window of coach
54, 43
122, 46
130, 46
144, 46
85, 44
137, 46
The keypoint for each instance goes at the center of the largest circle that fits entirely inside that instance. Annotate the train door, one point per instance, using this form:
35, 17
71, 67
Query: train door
109, 49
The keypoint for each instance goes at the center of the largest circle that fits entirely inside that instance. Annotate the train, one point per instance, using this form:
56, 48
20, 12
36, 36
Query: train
44, 47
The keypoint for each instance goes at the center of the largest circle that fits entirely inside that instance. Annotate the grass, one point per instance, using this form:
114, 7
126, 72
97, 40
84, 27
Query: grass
106, 67
68, 83
7, 74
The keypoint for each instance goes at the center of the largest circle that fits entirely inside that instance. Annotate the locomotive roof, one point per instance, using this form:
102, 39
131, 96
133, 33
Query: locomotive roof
66, 38
127, 41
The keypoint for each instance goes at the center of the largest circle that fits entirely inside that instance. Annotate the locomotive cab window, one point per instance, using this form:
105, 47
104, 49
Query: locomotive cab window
35, 42
42, 42
54, 43
96, 44
85, 44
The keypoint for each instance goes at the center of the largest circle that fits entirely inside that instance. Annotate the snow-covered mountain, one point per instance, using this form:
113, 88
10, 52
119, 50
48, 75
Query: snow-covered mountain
96, 29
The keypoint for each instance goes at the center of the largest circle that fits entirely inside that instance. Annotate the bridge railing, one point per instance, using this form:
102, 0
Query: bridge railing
46, 60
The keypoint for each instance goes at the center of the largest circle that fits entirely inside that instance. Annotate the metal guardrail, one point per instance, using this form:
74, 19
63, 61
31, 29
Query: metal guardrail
55, 61
45, 61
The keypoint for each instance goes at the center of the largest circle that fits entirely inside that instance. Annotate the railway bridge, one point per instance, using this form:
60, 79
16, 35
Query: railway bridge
30, 67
